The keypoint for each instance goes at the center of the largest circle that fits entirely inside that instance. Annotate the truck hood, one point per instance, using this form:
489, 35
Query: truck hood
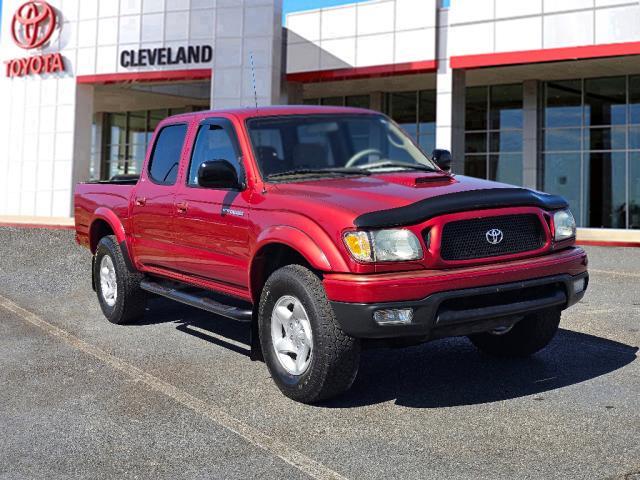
346, 199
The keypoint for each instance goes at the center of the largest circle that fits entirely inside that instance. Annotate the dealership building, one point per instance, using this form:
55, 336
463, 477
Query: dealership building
539, 93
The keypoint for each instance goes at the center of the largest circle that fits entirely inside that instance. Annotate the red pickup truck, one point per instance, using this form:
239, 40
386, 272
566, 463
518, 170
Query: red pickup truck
327, 230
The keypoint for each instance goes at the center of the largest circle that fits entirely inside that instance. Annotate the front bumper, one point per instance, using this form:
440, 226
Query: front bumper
463, 312
457, 301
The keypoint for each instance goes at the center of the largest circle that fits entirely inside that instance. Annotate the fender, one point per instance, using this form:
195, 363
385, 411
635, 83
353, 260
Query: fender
114, 222
296, 239
103, 213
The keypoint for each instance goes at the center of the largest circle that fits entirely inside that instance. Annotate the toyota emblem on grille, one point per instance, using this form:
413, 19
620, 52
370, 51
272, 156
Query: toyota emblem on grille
494, 236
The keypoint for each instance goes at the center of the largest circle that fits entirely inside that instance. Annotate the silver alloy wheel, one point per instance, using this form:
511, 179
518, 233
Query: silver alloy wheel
108, 281
291, 335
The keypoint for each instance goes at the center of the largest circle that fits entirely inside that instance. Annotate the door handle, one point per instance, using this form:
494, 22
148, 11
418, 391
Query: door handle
182, 207
141, 201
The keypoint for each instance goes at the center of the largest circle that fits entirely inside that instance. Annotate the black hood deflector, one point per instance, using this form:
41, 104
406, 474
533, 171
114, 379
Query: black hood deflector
459, 202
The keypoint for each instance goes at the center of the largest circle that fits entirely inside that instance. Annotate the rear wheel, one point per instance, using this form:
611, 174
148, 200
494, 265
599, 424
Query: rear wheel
528, 336
118, 288
310, 358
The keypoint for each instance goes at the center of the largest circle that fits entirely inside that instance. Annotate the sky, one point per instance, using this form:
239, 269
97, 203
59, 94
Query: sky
298, 5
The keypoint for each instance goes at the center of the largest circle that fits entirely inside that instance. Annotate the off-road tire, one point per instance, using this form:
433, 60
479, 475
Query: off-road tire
335, 355
528, 336
131, 300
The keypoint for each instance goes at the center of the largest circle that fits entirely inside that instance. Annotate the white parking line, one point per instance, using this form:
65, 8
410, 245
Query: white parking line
251, 435
613, 272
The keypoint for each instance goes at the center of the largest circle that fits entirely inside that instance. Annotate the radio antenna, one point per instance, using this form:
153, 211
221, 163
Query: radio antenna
253, 75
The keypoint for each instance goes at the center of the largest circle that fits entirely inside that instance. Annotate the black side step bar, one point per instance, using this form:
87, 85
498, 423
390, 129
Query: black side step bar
196, 298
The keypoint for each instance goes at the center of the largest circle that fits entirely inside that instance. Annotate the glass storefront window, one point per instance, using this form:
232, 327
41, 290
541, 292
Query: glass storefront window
476, 108
137, 127
505, 109
404, 110
607, 138
593, 164
475, 166
563, 104
427, 120
356, 101
476, 142
118, 128
563, 140
634, 100
505, 141
604, 176
126, 137
562, 177
634, 190
333, 101
506, 168
605, 101
493, 139
415, 112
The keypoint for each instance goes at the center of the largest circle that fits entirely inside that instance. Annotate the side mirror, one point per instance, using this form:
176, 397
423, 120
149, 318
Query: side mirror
218, 174
442, 158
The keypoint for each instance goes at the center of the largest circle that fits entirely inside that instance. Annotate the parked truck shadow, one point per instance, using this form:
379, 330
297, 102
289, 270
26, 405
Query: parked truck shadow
217, 330
452, 372
443, 373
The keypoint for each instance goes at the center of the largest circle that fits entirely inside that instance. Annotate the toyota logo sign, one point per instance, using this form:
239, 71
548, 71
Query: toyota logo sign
494, 236
33, 24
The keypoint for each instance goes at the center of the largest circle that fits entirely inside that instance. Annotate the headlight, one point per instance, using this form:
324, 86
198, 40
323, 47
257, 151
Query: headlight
565, 225
397, 245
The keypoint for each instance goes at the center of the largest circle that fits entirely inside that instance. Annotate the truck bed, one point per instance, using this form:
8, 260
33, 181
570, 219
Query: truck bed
91, 198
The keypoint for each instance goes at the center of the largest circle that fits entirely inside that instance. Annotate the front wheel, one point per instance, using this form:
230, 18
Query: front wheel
528, 336
310, 358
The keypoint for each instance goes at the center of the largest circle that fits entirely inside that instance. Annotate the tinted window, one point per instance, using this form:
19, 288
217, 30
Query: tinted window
214, 142
326, 142
166, 154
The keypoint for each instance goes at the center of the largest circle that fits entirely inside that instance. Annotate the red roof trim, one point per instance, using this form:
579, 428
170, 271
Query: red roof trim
155, 76
545, 55
427, 66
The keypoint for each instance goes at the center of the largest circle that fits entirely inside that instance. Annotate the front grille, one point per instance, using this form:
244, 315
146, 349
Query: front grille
467, 239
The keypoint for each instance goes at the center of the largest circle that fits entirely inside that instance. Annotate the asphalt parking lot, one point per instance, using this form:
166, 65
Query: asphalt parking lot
178, 397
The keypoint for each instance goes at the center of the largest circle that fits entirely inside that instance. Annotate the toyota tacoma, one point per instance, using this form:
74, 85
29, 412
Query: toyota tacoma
328, 230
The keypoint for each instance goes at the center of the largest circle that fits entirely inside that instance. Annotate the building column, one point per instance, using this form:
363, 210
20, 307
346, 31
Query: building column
450, 99
248, 59
450, 109
530, 94
83, 122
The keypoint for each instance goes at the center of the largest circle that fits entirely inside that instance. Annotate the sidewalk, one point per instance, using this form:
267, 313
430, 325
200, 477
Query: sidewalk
53, 223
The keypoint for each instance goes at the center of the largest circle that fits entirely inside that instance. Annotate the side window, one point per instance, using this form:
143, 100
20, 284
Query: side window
165, 159
214, 142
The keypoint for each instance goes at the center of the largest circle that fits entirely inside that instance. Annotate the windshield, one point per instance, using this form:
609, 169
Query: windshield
319, 145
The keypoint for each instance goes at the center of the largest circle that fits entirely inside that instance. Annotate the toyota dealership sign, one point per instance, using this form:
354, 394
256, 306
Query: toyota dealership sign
32, 27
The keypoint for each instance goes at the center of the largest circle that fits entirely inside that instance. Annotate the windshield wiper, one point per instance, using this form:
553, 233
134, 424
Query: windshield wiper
320, 171
391, 163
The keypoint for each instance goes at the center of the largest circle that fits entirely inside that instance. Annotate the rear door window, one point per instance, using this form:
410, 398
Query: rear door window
165, 158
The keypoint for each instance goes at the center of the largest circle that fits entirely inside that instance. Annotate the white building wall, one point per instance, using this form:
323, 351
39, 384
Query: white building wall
45, 129
37, 143
246, 29
381, 32
495, 26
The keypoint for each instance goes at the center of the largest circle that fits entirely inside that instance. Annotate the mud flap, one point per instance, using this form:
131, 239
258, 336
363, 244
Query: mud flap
93, 273
254, 339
